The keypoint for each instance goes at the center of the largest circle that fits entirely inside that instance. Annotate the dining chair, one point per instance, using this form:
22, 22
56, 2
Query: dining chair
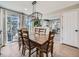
48, 47
36, 31
42, 31
26, 44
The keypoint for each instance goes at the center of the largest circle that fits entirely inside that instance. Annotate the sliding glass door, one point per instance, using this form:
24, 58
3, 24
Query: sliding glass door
12, 27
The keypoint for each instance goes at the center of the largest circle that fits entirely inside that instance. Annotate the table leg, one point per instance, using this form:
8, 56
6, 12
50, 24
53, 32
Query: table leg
29, 52
36, 52
52, 50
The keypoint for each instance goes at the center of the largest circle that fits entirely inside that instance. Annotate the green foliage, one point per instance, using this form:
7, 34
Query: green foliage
36, 23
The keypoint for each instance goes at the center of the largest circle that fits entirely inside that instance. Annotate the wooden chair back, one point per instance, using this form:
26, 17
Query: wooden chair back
25, 36
50, 41
42, 31
36, 31
48, 47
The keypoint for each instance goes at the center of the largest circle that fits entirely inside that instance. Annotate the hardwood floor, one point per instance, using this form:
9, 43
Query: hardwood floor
61, 50
64, 50
12, 50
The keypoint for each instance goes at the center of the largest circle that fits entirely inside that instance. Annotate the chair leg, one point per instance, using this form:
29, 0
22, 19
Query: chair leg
19, 45
52, 51
19, 42
36, 51
23, 50
29, 52
46, 54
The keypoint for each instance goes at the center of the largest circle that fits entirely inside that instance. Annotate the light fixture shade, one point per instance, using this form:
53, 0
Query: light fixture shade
33, 17
36, 15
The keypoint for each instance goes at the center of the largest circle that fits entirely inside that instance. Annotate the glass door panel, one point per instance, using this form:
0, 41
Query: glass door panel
9, 29
12, 27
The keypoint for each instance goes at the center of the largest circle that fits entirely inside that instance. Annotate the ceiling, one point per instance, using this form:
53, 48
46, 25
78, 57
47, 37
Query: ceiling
44, 7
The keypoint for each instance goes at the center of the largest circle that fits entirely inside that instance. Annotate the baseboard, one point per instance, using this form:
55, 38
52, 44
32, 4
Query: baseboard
70, 45
10, 42
2, 46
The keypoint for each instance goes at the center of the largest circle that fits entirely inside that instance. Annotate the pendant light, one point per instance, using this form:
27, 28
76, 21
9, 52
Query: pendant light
36, 16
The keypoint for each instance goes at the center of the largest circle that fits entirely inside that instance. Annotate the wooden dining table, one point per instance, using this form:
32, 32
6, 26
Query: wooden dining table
38, 41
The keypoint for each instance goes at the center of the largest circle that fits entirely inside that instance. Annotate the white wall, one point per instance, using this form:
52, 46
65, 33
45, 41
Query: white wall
59, 14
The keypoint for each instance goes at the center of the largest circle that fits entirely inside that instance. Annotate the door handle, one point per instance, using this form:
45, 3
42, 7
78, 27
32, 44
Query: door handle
76, 30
